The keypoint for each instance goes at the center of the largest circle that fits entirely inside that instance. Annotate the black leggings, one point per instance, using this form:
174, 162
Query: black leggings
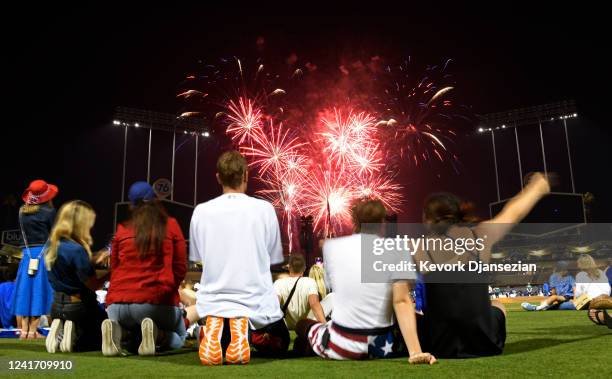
87, 317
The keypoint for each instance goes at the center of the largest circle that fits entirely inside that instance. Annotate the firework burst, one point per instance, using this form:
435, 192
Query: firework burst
328, 196
244, 120
317, 166
273, 149
416, 112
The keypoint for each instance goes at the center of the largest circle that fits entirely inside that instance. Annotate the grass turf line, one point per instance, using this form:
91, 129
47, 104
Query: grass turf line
550, 343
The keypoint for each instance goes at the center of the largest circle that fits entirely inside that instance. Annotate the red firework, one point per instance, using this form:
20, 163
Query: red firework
349, 162
272, 149
319, 168
348, 139
328, 197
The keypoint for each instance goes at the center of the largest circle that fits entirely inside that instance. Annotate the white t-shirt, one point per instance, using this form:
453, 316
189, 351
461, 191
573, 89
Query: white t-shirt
237, 238
298, 307
356, 305
592, 287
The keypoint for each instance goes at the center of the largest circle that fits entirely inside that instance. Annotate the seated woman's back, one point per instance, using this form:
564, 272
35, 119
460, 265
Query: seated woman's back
356, 305
459, 319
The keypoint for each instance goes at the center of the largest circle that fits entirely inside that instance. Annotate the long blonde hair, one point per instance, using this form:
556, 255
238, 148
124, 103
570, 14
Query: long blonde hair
587, 264
318, 274
74, 222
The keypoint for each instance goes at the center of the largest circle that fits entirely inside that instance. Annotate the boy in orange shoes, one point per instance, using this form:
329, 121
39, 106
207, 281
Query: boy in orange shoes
237, 238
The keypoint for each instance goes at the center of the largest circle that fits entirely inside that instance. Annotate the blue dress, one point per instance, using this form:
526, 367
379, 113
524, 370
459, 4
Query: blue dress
33, 294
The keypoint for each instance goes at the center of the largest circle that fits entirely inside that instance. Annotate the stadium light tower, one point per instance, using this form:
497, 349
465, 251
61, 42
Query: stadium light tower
139, 118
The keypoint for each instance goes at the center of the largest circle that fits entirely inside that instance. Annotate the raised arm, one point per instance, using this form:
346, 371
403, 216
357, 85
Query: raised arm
520, 205
515, 210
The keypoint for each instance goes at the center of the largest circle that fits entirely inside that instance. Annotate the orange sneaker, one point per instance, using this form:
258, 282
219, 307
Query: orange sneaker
210, 343
238, 352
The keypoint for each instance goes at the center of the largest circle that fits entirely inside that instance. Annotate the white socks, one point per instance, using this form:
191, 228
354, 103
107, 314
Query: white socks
543, 306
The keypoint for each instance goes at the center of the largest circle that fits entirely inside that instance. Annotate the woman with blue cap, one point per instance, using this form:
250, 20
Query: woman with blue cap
148, 264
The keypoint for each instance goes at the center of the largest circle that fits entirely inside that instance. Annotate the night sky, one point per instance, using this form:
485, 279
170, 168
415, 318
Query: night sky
68, 71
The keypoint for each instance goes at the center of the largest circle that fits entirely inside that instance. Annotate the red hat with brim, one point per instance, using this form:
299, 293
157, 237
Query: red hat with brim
39, 192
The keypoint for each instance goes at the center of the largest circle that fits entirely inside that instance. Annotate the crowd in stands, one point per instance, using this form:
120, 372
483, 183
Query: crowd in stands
143, 305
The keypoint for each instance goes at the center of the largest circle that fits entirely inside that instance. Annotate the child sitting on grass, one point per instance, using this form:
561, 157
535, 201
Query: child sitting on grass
562, 291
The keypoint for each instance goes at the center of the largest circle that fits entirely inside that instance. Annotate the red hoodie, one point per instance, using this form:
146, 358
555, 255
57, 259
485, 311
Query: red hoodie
152, 280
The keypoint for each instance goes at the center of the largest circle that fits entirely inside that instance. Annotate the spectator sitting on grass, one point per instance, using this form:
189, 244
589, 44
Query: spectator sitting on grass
237, 239
317, 273
460, 320
562, 291
591, 280
7, 319
297, 294
362, 324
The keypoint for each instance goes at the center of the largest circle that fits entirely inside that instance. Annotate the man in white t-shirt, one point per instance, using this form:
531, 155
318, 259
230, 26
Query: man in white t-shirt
305, 293
237, 238
363, 317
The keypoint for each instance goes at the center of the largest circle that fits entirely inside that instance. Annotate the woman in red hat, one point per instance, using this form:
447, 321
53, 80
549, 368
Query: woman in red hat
33, 294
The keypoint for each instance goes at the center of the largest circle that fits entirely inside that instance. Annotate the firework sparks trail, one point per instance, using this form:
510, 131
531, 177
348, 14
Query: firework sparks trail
272, 149
328, 196
416, 112
244, 120
381, 187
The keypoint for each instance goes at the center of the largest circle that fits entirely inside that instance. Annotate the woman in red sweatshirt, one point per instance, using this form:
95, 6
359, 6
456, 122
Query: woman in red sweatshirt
148, 263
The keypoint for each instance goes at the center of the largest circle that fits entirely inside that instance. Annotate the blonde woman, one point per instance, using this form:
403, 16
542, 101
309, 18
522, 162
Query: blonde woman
318, 274
70, 264
590, 280
33, 295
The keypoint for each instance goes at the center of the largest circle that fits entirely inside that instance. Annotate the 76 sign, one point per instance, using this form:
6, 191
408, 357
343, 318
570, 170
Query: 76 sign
162, 188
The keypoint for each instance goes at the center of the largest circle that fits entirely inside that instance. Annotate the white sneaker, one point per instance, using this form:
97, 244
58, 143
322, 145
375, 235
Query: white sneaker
55, 336
192, 331
149, 335
111, 338
43, 322
69, 337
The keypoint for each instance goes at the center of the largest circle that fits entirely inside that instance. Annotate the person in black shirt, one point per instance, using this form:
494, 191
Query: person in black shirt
460, 320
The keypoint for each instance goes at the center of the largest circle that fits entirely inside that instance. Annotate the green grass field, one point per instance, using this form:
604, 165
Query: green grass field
553, 344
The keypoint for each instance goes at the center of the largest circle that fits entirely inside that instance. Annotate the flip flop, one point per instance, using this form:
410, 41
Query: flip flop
594, 316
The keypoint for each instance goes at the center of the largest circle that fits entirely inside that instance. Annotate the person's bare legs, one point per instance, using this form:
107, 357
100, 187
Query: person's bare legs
552, 299
25, 326
499, 305
33, 327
